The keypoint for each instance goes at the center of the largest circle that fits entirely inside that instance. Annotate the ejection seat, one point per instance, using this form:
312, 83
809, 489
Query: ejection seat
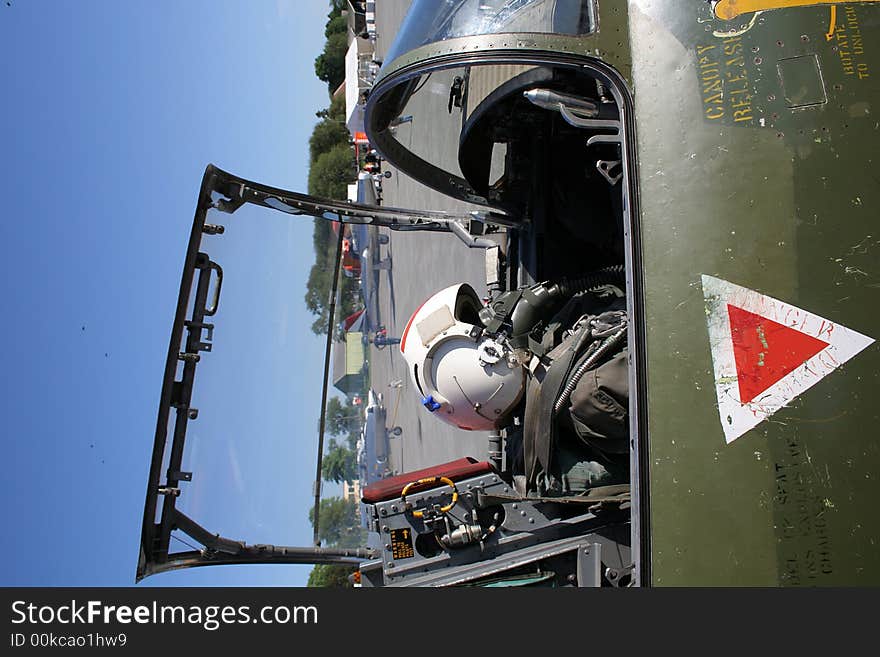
461, 523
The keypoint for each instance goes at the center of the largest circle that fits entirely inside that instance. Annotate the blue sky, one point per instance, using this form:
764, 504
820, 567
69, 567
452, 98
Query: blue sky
110, 112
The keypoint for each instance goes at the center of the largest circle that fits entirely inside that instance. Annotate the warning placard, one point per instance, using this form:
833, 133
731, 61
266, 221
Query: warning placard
766, 352
402, 544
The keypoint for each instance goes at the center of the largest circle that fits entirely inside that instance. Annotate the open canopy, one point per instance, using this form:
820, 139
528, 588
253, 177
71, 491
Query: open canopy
170, 507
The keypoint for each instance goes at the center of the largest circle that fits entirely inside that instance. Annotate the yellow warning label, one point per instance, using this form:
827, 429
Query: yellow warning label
401, 544
730, 9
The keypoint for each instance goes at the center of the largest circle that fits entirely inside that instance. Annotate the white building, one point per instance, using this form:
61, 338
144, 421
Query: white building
360, 71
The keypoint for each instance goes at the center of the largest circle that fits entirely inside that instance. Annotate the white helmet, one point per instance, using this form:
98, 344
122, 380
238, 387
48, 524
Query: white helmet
465, 377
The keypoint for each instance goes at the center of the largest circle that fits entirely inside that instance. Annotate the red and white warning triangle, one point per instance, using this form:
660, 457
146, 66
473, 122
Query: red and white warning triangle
766, 352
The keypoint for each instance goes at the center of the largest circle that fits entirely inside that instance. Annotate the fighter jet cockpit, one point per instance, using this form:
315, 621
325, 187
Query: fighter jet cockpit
471, 105
725, 253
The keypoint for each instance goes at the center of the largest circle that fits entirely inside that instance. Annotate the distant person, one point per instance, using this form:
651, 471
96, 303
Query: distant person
381, 338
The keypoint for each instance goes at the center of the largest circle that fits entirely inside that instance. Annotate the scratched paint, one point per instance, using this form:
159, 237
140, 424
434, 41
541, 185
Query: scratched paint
748, 391
737, 31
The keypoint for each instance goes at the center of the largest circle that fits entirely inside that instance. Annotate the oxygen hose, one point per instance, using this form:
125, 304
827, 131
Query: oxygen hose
592, 281
544, 299
609, 343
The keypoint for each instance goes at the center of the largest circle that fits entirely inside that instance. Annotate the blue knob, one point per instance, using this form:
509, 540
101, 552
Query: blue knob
429, 403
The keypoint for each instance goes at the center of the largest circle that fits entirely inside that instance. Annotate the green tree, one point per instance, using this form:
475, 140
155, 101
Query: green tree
322, 234
342, 418
336, 25
331, 172
336, 109
330, 64
336, 7
339, 523
318, 298
339, 464
332, 168
326, 135
318, 289
331, 576
329, 176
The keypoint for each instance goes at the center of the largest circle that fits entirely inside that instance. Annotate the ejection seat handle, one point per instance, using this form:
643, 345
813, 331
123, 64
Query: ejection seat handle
428, 481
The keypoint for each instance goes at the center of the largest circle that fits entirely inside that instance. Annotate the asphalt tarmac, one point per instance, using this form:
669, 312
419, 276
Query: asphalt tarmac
420, 265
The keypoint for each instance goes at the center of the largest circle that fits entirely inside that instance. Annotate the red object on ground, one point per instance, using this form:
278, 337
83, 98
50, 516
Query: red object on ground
351, 261
351, 319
